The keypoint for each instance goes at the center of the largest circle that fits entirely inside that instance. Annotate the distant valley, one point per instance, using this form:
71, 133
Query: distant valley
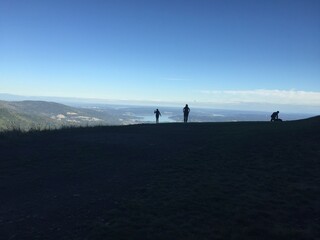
27, 115
32, 114
145, 114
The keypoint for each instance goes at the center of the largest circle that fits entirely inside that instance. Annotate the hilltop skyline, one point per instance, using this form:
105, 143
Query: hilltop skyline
211, 52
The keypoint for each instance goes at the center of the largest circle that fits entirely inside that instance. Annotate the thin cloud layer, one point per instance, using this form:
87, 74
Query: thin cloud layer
264, 96
176, 79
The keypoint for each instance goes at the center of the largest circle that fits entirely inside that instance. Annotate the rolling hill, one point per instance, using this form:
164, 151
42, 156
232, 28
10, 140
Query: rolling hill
245, 180
40, 114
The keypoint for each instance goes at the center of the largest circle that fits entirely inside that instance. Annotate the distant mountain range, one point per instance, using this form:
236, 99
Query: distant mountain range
251, 106
40, 114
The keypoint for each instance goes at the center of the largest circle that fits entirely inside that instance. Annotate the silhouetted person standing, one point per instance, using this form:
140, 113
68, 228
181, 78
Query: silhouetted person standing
158, 114
186, 111
274, 116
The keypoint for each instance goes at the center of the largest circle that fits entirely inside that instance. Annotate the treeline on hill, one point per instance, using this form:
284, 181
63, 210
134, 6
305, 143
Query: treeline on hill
26, 115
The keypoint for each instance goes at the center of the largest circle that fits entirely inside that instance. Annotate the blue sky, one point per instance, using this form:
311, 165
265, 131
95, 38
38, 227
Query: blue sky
213, 52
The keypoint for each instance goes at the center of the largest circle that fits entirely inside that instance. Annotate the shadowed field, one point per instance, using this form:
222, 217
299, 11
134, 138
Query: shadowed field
246, 180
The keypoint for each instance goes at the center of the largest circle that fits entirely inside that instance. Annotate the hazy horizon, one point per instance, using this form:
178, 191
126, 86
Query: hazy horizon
246, 55
250, 107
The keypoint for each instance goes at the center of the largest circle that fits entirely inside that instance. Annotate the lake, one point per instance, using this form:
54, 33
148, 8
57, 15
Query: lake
152, 118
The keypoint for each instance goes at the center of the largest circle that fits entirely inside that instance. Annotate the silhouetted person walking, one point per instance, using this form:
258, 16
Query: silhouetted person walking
275, 116
186, 111
157, 113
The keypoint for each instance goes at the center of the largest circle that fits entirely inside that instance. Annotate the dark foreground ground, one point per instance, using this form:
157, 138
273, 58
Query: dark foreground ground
250, 180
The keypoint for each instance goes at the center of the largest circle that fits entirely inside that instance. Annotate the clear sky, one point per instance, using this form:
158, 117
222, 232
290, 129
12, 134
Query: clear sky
217, 51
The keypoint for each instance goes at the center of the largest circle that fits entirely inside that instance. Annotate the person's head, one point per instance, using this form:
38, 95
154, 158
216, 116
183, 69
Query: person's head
186, 105
277, 111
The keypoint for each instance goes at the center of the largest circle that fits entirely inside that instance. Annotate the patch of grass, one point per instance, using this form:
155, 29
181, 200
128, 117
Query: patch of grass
256, 180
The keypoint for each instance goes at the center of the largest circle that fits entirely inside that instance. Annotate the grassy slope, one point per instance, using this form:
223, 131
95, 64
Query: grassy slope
256, 180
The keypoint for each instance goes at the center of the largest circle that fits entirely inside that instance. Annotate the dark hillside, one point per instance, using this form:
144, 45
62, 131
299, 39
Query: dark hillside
246, 180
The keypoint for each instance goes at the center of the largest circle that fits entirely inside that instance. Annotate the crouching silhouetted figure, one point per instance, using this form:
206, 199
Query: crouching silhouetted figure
275, 117
186, 111
158, 114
